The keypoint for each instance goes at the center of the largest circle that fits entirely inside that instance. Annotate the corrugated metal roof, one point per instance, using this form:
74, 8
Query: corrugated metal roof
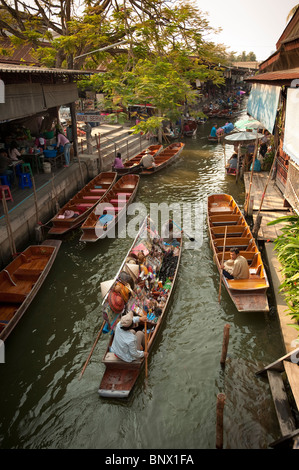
12, 68
278, 76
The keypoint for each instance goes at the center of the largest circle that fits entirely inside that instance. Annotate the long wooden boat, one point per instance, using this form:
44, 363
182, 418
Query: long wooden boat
120, 377
104, 217
165, 158
21, 280
131, 166
75, 211
248, 295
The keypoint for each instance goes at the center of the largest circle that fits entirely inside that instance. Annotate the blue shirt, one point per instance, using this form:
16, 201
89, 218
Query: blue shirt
213, 132
125, 344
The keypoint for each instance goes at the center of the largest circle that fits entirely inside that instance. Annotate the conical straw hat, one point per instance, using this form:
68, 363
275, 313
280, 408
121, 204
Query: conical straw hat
105, 287
132, 269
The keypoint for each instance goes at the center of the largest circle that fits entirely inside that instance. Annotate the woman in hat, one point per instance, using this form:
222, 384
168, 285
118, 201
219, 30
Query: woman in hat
128, 344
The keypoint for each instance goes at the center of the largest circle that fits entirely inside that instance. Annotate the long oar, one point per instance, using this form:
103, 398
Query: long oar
190, 238
221, 272
145, 346
92, 349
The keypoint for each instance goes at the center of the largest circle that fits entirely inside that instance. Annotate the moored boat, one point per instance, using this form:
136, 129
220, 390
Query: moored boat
21, 280
224, 216
131, 166
165, 158
103, 219
151, 296
77, 209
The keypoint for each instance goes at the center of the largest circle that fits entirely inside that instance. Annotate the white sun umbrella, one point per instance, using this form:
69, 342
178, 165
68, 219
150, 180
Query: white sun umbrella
242, 137
244, 124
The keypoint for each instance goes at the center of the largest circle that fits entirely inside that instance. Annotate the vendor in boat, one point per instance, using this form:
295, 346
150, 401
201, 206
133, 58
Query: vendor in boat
214, 131
233, 162
147, 160
236, 267
128, 344
118, 164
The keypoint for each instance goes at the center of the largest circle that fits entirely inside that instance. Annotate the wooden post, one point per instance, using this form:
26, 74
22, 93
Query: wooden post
219, 420
258, 220
8, 226
35, 199
238, 163
251, 176
225, 344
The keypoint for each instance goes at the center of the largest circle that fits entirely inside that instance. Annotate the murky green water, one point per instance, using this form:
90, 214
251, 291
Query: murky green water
45, 405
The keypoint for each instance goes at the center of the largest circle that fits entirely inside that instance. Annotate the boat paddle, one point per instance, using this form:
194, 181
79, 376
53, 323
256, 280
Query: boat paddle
92, 349
221, 272
145, 346
190, 238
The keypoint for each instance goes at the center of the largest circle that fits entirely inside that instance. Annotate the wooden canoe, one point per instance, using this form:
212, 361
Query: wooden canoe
21, 280
131, 166
120, 377
81, 205
103, 219
248, 295
165, 158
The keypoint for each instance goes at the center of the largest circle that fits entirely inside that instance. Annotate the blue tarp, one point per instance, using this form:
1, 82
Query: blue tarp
263, 103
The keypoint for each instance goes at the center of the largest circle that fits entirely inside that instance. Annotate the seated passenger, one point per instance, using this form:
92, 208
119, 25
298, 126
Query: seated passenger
236, 267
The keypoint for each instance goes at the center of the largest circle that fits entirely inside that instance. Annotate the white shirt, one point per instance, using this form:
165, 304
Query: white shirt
124, 344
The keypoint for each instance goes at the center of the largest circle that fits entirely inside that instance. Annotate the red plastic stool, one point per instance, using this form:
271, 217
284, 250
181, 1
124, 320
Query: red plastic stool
8, 196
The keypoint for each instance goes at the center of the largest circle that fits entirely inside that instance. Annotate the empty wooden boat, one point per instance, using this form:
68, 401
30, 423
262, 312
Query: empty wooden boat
248, 295
73, 214
131, 166
102, 220
165, 158
120, 377
21, 280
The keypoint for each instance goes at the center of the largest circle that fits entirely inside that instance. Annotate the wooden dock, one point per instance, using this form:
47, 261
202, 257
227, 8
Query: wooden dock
273, 205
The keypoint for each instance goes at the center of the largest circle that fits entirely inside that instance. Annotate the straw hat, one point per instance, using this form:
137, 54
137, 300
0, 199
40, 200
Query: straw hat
105, 287
127, 319
132, 269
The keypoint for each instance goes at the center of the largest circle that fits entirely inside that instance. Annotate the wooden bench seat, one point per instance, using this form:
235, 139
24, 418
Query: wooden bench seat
12, 297
292, 371
111, 360
247, 284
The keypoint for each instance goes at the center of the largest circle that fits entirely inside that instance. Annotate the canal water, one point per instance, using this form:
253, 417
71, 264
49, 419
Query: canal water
44, 405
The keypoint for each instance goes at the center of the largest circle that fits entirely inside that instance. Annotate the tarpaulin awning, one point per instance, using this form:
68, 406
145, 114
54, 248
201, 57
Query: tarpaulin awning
263, 103
22, 100
291, 135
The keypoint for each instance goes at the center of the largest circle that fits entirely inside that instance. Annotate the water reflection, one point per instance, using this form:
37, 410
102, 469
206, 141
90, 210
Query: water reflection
45, 405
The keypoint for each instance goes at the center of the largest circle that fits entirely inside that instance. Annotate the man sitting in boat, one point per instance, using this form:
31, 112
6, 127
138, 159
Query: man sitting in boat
128, 344
147, 160
232, 163
236, 267
214, 131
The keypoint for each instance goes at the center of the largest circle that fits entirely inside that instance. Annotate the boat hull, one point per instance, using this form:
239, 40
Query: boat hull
117, 200
131, 166
120, 377
84, 202
248, 295
168, 156
21, 281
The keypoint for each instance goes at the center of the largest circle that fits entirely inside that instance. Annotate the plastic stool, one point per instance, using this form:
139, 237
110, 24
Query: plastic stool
25, 180
28, 166
5, 180
8, 196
